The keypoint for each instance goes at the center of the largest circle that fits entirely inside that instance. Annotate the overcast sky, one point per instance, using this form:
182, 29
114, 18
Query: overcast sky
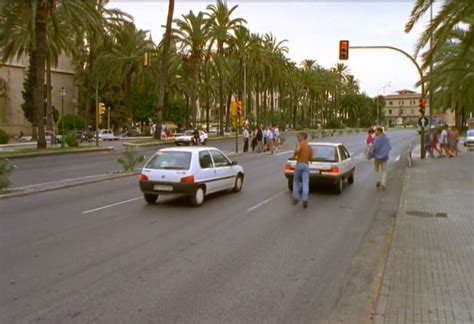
313, 30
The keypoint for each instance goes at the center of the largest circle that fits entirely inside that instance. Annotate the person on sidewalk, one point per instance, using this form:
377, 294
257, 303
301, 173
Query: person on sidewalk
382, 148
259, 138
246, 136
303, 154
434, 142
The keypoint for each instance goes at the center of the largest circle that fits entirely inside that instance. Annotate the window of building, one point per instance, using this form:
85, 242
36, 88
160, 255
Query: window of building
390, 103
390, 111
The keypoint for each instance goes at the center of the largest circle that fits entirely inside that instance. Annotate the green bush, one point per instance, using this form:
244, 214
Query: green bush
4, 138
71, 140
71, 122
335, 124
6, 167
130, 159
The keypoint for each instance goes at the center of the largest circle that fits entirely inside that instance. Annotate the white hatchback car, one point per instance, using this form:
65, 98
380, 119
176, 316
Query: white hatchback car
193, 171
187, 138
331, 164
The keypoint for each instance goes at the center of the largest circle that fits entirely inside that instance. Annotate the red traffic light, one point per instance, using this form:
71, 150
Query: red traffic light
422, 103
344, 50
238, 104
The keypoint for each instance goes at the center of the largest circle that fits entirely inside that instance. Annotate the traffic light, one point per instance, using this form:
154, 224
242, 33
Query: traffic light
101, 111
344, 50
238, 104
146, 59
422, 105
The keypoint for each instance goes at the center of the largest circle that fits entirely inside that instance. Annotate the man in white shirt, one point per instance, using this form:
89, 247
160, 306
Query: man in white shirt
246, 135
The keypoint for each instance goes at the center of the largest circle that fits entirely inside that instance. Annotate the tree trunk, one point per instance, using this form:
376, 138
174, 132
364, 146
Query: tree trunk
265, 106
49, 106
208, 105
272, 105
194, 89
228, 113
164, 70
39, 53
257, 102
89, 88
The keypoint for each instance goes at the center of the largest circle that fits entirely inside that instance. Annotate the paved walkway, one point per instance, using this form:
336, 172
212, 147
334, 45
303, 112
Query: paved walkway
429, 277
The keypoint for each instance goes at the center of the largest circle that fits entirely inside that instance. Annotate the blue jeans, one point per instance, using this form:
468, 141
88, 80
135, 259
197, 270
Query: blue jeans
301, 174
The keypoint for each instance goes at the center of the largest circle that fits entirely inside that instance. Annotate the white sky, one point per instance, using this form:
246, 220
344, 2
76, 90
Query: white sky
313, 30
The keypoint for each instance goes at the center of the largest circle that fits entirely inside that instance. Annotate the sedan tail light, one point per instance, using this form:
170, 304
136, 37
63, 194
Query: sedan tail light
333, 170
289, 168
187, 179
143, 177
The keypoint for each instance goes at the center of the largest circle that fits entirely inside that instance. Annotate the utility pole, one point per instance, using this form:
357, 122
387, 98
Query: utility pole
422, 83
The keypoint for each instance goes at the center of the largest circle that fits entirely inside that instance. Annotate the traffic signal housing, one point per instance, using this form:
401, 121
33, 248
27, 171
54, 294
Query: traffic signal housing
344, 50
238, 106
422, 106
101, 111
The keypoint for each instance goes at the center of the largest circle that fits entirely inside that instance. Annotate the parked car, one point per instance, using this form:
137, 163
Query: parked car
187, 138
331, 165
193, 171
469, 139
107, 135
49, 135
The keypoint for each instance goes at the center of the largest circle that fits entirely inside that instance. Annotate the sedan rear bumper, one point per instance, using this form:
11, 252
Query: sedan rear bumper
158, 187
321, 178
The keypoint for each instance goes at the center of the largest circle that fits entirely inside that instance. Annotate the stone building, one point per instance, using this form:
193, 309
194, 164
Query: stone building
12, 75
402, 108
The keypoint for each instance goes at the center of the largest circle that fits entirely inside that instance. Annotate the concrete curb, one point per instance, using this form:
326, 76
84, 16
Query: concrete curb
51, 153
63, 184
169, 142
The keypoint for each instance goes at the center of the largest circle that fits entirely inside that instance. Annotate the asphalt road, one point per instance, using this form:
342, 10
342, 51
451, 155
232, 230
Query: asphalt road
99, 254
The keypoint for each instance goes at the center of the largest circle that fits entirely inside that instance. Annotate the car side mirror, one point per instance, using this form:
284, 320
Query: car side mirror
233, 163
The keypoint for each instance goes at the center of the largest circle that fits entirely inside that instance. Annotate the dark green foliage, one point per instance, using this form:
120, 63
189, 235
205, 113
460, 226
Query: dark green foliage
3, 137
176, 111
335, 124
6, 167
71, 122
130, 159
71, 140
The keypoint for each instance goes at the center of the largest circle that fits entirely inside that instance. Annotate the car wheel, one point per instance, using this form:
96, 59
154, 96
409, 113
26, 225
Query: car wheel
290, 185
150, 198
197, 198
239, 181
350, 180
338, 187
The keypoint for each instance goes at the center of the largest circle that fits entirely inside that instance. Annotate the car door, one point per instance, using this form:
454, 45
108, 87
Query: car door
344, 160
224, 170
207, 171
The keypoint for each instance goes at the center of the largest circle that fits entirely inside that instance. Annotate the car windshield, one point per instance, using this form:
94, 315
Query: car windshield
324, 153
170, 161
470, 133
189, 133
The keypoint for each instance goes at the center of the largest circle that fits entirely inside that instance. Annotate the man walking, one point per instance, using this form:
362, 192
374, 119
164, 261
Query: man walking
259, 137
382, 148
304, 154
246, 136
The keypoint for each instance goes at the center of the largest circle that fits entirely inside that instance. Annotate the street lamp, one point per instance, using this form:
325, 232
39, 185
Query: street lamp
388, 84
62, 93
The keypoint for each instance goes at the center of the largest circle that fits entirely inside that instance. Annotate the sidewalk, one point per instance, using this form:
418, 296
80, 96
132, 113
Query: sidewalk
429, 276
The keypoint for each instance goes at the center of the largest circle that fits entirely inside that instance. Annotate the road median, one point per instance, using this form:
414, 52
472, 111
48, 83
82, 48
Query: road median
27, 153
63, 184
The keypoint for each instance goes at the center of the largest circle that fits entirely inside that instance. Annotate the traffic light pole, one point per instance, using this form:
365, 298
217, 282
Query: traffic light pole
97, 114
422, 83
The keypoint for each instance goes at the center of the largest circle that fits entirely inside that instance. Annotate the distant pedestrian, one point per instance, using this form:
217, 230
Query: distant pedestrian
304, 154
270, 140
455, 135
434, 142
443, 141
369, 141
246, 136
259, 137
382, 148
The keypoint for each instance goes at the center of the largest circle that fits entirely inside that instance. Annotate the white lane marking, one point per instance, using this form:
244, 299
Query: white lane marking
111, 205
266, 201
398, 157
284, 152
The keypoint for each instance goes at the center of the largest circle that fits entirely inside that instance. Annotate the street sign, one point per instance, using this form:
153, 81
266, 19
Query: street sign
423, 122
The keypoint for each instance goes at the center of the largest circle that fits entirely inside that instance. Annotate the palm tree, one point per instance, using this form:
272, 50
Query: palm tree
36, 42
193, 34
164, 69
222, 28
122, 60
